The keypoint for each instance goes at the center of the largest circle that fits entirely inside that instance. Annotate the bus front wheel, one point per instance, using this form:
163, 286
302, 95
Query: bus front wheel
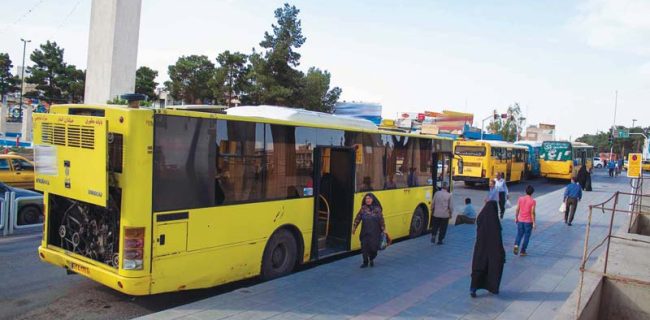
418, 223
279, 255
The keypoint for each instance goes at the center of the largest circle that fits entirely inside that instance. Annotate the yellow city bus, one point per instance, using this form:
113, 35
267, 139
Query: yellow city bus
483, 159
148, 201
563, 159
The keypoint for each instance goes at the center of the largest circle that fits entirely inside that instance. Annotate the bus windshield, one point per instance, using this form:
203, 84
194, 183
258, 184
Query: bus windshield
555, 151
470, 151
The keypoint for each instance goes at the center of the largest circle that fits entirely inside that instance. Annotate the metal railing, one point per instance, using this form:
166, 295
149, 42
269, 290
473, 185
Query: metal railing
635, 210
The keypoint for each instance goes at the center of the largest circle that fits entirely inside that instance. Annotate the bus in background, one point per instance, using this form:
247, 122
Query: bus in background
532, 165
563, 159
483, 159
183, 199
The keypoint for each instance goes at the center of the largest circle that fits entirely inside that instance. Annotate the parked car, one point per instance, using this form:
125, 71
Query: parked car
30, 212
16, 171
598, 163
645, 165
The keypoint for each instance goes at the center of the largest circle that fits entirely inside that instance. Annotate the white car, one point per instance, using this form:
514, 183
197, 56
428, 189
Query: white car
598, 163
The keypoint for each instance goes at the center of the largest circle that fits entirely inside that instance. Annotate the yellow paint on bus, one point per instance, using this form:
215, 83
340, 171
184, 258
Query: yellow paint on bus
483, 160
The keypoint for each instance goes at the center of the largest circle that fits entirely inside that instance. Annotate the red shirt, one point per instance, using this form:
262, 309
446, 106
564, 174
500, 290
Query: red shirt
526, 204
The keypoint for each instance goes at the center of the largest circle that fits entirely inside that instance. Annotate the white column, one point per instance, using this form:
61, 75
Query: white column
112, 49
26, 129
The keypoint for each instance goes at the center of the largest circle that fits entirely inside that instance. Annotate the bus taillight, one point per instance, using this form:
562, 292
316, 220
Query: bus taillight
483, 173
133, 248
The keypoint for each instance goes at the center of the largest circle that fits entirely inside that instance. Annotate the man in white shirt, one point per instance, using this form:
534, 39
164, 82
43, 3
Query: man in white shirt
442, 208
502, 188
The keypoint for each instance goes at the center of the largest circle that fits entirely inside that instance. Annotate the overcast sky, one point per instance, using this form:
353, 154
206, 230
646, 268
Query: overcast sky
562, 60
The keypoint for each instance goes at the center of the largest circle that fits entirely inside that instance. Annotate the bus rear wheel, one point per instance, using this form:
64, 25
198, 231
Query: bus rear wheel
279, 255
418, 223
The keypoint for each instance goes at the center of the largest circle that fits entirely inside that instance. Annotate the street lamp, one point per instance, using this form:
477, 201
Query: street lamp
633, 122
22, 84
493, 116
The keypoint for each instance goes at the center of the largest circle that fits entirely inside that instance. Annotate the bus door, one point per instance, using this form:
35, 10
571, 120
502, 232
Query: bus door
334, 172
441, 169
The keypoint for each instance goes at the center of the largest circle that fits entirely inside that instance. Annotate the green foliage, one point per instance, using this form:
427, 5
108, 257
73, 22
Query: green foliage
190, 78
8, 83
316, 93
118, 101
145, 82
56, 82
230, 79
600, 141
509, 127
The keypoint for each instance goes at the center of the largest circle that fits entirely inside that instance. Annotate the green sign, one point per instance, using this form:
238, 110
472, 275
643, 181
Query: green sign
555, 151
622, 133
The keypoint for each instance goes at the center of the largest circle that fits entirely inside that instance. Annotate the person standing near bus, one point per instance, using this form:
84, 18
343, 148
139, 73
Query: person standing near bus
372, 226
489, 255
572, 195
525, 220
442, 209
502, 188
611, 167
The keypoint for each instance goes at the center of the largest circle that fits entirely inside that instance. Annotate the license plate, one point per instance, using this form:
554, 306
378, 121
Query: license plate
79, 268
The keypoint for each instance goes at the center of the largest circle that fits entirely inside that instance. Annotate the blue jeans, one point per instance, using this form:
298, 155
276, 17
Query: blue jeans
524, 229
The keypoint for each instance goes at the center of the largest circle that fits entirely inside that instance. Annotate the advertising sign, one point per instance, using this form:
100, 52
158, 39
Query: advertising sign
634, 165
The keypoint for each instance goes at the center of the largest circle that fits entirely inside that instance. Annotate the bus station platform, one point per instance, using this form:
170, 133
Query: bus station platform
417, 279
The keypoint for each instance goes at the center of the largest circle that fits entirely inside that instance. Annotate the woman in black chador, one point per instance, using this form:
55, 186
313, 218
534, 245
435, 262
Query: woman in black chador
582, 177
371, 228
489, 255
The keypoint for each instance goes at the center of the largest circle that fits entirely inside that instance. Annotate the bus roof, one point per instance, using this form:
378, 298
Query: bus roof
199, 107
495, 143
573, 143
300, 115
529, 143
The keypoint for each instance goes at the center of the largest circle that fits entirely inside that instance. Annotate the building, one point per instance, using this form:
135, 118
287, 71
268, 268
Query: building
541, 132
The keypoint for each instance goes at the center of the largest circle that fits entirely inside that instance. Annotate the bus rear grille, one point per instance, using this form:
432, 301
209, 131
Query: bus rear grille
72, 135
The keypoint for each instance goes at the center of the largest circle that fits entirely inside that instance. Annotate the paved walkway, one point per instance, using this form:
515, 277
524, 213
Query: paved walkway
416, 279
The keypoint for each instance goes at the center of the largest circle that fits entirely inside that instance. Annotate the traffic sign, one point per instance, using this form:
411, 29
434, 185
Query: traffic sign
634, 165
622, 133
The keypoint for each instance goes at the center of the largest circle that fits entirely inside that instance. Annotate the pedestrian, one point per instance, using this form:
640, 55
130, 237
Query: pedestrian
572, 195
525, 220
620, 164
502, 189
611, 166
469, 214
441, 208
372, 227
588, 186
489, 254
492, 195
582, 176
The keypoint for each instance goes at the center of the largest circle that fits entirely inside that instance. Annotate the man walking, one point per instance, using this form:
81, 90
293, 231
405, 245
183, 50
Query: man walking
611, 166
502, 189
442, 209
572, 195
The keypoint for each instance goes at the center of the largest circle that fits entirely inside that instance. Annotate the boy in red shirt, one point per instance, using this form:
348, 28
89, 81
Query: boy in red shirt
525, 219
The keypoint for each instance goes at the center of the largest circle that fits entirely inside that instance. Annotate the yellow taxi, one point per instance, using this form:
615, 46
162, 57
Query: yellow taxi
16, 171
645, 165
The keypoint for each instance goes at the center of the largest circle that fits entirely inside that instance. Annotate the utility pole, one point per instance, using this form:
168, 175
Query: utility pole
611, 149
22, 77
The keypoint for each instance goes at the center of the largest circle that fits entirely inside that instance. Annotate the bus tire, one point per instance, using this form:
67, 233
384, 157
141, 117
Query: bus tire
418, 223
279, 255
29, 214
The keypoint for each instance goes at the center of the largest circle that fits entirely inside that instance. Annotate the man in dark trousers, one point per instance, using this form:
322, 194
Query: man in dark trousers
442, 209
572, 195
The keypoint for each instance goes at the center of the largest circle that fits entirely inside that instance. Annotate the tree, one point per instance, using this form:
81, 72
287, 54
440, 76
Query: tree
622, 146
282, 85
189, 79
56, 82
316, 93
511, 126
8, 82
145, 82
230, 79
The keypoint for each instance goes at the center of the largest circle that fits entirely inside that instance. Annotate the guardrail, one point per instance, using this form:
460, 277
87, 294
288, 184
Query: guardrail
20, 213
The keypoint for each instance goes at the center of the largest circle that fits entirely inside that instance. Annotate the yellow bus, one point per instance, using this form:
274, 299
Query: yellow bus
563, 159
482, 160
149, 201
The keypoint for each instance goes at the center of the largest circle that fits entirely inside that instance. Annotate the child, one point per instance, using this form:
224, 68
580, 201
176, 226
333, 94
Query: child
469, 214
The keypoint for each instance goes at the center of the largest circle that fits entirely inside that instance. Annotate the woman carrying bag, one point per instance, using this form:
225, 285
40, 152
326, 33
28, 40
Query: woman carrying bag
372, 228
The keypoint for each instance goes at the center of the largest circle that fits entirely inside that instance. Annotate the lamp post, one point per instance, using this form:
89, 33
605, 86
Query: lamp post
633, 122
22, 76
483, 122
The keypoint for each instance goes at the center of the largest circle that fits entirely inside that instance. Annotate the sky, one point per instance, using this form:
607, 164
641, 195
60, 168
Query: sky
561, 60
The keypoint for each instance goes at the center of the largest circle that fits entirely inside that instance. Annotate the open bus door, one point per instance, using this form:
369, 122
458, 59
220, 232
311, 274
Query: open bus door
333, 200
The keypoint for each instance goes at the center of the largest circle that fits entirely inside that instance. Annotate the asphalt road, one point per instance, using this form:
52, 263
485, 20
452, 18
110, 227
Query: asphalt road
30, 289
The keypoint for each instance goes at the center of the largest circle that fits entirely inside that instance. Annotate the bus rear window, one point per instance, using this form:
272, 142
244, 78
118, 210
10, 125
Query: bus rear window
556, 151
470, 151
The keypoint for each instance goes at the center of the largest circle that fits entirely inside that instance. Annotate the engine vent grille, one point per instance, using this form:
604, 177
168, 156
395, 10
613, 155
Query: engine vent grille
74, 136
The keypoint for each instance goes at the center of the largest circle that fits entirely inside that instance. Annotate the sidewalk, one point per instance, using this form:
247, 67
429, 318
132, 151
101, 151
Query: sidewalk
416, 279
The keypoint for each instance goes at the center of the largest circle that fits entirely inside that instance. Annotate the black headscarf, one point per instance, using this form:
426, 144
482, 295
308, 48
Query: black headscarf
375, 201
582, 177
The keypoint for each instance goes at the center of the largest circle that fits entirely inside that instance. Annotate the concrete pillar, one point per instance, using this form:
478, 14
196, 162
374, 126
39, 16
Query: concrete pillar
26, 131
112, 49
4, 114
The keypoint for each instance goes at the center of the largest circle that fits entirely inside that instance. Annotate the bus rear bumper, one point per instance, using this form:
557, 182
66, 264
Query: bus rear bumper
565, 176
470, 179
132, 286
